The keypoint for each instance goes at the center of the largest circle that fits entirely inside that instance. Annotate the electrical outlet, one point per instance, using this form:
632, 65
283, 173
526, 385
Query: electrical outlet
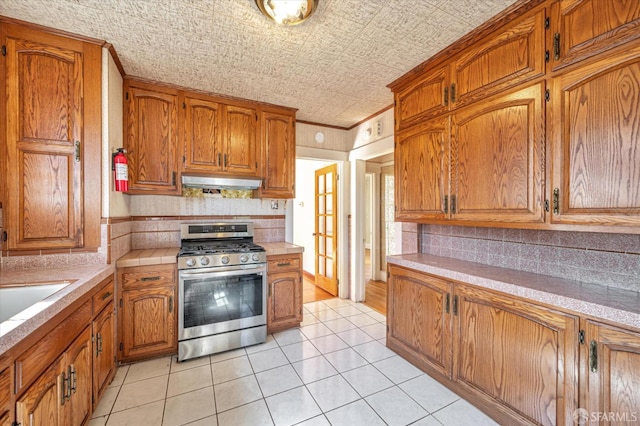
274, 204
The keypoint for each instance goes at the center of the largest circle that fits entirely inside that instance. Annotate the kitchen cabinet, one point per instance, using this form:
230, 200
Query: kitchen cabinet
147, 319
52, 140
278, 154
151, 138
612, 368
62, 394
219, 138
419, 321
103, 351
507, 57
582, 29
284, 298
5, 394
595, 164
485, 345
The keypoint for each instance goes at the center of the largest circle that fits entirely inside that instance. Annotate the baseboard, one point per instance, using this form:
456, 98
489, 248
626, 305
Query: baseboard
309, 276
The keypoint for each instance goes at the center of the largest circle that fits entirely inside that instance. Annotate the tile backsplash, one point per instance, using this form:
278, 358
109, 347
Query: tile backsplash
607, 259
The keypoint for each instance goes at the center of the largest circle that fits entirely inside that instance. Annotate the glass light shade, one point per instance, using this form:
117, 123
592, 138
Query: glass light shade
287, 12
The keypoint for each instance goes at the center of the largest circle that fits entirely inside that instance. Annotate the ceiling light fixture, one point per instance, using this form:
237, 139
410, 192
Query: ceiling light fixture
287, 12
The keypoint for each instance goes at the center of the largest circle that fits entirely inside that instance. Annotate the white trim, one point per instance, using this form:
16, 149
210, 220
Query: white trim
343, 228
357, 288
308, 153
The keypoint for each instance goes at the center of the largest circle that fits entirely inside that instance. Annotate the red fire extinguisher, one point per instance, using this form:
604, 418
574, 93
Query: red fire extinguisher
120, 170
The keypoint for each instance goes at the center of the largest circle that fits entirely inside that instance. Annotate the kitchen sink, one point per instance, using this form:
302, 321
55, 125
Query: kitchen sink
15, 299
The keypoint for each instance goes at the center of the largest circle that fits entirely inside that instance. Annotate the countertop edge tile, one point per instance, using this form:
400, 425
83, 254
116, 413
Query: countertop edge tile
279, 248
599, 301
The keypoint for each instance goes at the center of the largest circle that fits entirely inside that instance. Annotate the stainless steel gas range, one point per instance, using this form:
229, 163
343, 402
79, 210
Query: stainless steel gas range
222, 289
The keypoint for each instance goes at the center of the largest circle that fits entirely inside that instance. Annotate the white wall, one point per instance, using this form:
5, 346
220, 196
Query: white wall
334, 139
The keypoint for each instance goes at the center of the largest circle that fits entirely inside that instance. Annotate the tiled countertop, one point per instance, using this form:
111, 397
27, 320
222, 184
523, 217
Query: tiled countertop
83, 280
148, 257
617, 305
274, 249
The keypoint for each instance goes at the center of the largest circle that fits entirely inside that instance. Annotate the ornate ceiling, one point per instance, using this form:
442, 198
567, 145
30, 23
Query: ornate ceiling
334, 68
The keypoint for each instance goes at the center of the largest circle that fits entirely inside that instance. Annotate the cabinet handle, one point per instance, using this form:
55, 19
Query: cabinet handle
77, 151
99, 344
447, 301
446, 204
556, 201
453, 93
593, 356
453, 204
284, 264
170, 303
218, 163
73, 379
150, 278
225, 160
556, 46
63, 387
106, 295
446, 96
455, 305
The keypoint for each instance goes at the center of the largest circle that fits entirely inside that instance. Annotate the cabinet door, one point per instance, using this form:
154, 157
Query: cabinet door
503, 60
46, 139
151, 138
596, 149
497, 150
203, 135
240, 154
521, 355
5, 395
5, 420
148, 321
103, 352
78, 368
426, 97
284, 301
584, 28
279, 155
419, 320
612, 360
41, 404
421, 161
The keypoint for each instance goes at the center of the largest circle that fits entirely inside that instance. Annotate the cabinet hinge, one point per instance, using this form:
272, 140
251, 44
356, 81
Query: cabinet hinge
581, 337
121, 303
547, 95
4, 50
4, 235
126, 95
547, 23
184, 105
547, 56
546, 205
184, 159
121, 346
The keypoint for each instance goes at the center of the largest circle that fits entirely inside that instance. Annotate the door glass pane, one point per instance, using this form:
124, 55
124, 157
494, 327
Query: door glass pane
329, 247
321, 244
321, 229
329, 226
321, 265
329, 206
320, 184
329, 273
329, 182
321, 204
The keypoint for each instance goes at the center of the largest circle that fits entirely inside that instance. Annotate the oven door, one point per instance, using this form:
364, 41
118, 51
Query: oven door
220, 300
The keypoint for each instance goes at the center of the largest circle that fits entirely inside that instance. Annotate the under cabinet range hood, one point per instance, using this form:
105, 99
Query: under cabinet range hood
210, 182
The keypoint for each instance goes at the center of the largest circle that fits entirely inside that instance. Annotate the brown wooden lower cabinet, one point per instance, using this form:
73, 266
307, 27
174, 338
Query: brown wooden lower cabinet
5, 395
284, 292
103, 352
148, 307
520, 362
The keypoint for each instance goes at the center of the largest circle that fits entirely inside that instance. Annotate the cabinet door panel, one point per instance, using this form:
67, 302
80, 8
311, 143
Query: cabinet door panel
78, 362
502, 344
497, 159
507, 59
152, 131
44, 173
240, 155
613, 379
103, 353
203, 133
41, 404
279, 155
589, 27
421, 160
419, 319
423, 99
596, 149
285, 300
148, 321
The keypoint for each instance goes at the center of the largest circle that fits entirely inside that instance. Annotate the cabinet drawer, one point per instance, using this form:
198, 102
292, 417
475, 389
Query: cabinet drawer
148, 276
277, 264
103, 296
36, 359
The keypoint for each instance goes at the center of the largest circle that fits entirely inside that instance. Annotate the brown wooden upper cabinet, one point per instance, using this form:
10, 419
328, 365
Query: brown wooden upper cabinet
219, 138
51, 158
279, 154
510, 56
151, 137
582, 29
596, 149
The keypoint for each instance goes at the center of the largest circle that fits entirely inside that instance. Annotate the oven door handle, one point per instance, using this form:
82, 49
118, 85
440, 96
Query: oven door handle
224, 272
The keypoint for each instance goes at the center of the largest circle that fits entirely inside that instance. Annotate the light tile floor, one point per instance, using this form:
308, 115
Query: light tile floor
333, 370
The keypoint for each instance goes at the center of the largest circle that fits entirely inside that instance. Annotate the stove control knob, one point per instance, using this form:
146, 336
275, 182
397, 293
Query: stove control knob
255, 257
204, 261
191, 261
224, 260
244, 257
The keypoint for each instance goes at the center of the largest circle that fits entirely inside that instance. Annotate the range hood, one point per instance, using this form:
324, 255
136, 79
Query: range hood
211, 182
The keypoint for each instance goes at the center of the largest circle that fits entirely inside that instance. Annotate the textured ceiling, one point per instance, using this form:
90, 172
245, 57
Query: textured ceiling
334, 67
